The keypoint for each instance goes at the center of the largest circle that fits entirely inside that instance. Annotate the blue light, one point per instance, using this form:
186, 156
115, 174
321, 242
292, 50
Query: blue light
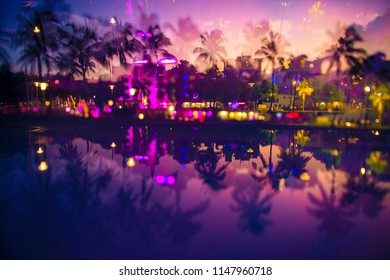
274, 80
270, 168
183, 158
185, 76
294, 170
184, 149
185, 94
185, 85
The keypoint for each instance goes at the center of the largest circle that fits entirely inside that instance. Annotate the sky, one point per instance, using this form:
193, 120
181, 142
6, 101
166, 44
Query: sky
305, 24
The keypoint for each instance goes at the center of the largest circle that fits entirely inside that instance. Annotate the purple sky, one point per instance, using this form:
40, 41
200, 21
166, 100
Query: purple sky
304, 26
304, 23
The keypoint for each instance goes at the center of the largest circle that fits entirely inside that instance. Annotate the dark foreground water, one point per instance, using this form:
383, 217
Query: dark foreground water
220, 192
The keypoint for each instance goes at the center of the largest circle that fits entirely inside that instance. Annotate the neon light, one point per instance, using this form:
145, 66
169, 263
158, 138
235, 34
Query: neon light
167, 61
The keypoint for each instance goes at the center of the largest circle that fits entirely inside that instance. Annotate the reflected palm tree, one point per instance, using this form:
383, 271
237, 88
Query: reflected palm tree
335, 220
253, 210
363, 194
206, 165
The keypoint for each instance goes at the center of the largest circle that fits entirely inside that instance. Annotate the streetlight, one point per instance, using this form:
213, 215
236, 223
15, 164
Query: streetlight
112, 89
36, 29
367, 90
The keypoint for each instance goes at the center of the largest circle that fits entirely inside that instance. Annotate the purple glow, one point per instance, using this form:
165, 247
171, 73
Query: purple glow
143, 61
167, 61
165, 180
209, 114
138, 157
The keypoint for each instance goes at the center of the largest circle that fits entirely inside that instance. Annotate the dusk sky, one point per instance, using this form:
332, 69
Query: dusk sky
305, 24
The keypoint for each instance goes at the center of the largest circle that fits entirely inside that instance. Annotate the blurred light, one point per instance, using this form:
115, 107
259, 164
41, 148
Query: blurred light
171, 108
40, 150
111, 87
67, 109
293, 115
141, 116
376, 133
362, 171
112, 20
113, 145
47, 103
367, 89
44, 86
43, 166
304, 176
110, 102
167, 61
133, 91
165, 180
335, 153
130, 162
348, 124
56, 82
36, 29
143, 61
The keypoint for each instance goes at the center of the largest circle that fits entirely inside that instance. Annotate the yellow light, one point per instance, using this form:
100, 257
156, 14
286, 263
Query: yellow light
250, 150
131, 162
36, 84
335, 153
112, 20
376, 133
362, 171
367, 89
133, 91
348, 124
223, 113
43, 166
111, 87
113, 145
44, 86
171, 108
47, 103
36, 29
40, 150
141, 116
231, 115
110, 102
376, 120
304, 176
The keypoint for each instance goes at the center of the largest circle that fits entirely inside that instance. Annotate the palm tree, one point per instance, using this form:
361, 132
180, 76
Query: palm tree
296, 71
212, 50
253, 211
334, 217
345, 56
272, 49
206, 165
304, 89
36, 33
79, 43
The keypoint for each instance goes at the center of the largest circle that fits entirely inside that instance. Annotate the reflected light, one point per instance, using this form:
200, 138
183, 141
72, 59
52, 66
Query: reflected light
165, 180
43, 166
40, 150
131, 162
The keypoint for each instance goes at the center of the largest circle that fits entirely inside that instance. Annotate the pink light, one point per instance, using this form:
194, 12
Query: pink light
35, 109
138, 157
144, 61
209, 114
165, 180
67, 109
167, 61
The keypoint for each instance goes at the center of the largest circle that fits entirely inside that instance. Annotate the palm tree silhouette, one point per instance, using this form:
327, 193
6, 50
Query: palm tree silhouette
36, 34
272, 49
334, 217
79, 44
212, 50
253, 210
206, 165
363, 193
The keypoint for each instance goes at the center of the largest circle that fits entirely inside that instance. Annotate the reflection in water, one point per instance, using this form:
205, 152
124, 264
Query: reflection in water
335, 220
253, 210
143, 198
